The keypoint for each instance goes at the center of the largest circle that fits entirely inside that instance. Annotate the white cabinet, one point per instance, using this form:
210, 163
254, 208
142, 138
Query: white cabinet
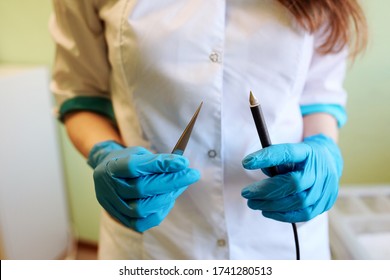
34, 220
360, 223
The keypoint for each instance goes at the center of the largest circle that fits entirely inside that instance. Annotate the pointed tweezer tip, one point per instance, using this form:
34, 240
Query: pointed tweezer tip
183, 140
196, 113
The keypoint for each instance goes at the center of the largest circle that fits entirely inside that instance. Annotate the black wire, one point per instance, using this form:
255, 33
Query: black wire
296, 240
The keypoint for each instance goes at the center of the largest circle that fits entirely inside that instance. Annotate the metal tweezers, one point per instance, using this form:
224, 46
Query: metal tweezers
185, 136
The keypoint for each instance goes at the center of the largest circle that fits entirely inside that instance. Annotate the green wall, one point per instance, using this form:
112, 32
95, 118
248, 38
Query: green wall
24, 39
23, 32
366, 137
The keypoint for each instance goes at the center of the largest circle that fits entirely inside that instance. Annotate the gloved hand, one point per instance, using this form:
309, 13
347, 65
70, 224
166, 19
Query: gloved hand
137, 187
307, 184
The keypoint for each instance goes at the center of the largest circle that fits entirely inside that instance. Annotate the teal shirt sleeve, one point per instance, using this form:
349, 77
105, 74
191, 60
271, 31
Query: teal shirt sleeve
94, 104
336, 110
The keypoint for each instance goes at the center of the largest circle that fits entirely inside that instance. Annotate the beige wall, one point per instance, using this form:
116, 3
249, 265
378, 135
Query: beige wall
24, 39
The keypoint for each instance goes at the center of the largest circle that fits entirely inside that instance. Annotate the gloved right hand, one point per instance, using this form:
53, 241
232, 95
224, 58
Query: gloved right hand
137, 187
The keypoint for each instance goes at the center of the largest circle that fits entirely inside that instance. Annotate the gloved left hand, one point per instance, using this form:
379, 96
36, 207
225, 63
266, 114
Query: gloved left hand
307, 183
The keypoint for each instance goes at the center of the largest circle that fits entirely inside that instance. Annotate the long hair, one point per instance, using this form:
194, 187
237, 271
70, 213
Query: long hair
342, 20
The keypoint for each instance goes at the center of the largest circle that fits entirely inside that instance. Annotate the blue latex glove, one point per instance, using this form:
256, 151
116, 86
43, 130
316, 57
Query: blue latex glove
137, 187
307, 184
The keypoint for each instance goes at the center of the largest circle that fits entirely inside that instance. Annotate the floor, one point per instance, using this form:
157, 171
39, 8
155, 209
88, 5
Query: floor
85, 251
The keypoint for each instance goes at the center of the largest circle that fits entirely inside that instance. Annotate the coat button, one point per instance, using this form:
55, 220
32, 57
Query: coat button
221, 242
214, 57
212, 153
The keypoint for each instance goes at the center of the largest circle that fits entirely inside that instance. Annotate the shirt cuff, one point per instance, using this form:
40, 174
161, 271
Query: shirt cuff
94, 104
337, 111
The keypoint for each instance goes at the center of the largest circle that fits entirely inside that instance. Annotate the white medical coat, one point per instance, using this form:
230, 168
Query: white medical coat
156, 61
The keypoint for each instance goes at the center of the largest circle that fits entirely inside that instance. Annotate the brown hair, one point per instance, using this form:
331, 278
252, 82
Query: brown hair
344, 22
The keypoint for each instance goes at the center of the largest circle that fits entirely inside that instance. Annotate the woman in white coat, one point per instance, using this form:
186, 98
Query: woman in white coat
128, 76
